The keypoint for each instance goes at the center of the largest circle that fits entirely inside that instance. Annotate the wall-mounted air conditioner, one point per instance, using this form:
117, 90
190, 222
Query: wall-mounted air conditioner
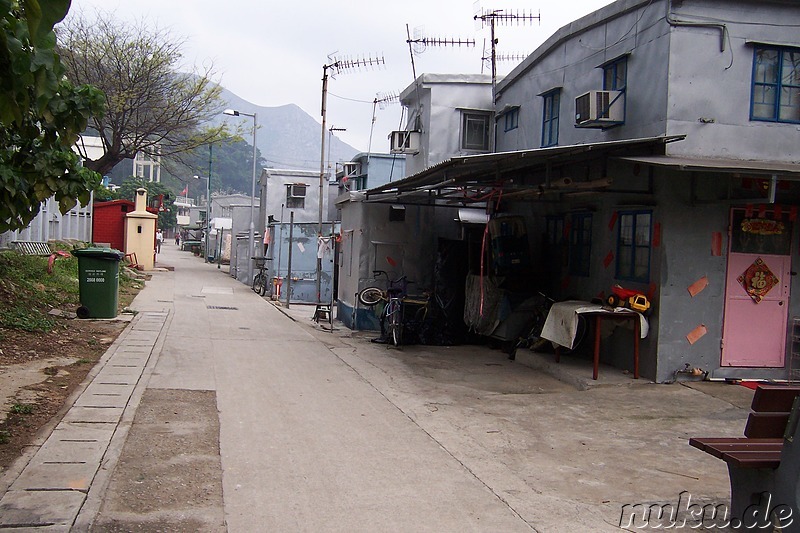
600, 109
297, 190
351, 169
404, 142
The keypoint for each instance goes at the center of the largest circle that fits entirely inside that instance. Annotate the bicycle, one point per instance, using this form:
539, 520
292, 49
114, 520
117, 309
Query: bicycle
260, 280
532, 334
395, 298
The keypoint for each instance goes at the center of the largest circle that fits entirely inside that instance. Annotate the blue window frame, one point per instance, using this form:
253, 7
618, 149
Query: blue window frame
555, 230
550, 113
511, 119
615, 75
776, 84
634, 245
557, 244
580, 244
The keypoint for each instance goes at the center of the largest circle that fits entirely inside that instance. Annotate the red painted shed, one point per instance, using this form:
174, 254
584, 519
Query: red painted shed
108, 222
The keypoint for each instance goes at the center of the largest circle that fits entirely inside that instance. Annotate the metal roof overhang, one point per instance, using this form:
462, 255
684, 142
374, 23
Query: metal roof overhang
731, 166
466, 178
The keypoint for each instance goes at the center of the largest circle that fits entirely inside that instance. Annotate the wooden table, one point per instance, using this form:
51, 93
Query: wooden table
599, 313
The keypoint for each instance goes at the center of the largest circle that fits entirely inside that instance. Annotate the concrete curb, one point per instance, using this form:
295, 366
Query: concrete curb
94, 498
16, 468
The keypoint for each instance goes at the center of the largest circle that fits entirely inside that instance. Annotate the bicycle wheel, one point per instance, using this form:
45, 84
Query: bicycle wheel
370, 296
264, 282
395, 323
257, 283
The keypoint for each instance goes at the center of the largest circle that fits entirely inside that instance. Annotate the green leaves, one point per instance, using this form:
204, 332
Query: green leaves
41, 115
42, 15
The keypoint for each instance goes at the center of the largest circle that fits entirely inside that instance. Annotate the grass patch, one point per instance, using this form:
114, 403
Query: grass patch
5, 436
28, 292
22, 408
26, 319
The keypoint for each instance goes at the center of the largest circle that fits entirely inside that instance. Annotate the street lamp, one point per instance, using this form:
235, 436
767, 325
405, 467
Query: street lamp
251, 237
208, 212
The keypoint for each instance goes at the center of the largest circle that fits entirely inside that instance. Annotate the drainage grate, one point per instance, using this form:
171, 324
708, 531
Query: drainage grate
222, 307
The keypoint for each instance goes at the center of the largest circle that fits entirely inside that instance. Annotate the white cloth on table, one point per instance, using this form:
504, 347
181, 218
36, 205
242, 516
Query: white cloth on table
561, 325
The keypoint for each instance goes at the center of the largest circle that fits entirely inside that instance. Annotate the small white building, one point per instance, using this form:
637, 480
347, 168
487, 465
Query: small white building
448, 115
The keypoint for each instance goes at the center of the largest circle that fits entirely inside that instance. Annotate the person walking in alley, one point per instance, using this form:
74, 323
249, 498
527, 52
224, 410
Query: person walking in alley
177, 238
159, 240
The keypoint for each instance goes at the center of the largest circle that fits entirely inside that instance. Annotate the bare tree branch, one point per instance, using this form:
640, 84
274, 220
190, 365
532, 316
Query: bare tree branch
150, 106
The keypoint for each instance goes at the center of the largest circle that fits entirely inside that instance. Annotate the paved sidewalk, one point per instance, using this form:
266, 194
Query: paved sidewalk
51, 490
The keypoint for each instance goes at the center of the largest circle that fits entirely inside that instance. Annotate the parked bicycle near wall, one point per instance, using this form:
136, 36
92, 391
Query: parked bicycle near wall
260, 280
531, 336
395, 299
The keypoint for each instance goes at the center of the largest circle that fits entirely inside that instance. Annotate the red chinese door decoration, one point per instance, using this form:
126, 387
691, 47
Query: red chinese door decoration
758, 280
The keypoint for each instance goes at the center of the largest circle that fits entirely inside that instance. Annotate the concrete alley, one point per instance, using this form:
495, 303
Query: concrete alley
243, 416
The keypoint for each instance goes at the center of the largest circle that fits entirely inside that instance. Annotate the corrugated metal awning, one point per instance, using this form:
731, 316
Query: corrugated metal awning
510, 171
733, 166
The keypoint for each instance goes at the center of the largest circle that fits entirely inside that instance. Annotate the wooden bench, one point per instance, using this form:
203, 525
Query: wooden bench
765, 459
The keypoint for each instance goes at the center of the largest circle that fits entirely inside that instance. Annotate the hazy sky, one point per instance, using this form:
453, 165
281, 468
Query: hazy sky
272, 53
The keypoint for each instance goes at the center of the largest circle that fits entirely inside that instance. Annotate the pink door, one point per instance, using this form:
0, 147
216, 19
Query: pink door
757, 291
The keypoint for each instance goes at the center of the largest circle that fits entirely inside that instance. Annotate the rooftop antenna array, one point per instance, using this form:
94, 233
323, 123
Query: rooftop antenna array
382, 101
335, 66
419, 44
487, 57
501, 17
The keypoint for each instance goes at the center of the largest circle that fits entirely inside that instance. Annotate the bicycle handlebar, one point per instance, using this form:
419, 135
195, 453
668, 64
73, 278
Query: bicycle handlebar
401, 279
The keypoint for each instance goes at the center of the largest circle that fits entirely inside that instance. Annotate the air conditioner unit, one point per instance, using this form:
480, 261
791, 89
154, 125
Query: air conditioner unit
600, 109
298, 190
351, 169
404, 142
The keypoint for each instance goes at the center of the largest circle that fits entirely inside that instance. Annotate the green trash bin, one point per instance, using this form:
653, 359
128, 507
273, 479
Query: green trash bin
98, 277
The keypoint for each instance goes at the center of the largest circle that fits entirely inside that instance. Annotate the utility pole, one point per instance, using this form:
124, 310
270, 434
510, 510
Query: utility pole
335, 66
502, 17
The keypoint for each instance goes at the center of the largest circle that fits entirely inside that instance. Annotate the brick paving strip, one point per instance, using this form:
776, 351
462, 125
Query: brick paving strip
52, 489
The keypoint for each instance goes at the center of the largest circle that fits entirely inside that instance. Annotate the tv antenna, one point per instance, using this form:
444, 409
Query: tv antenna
335, 66
419, 44
502, 17
487, 58
382, 101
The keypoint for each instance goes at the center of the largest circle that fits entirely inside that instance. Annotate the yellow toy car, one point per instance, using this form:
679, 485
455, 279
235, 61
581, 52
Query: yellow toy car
628, 298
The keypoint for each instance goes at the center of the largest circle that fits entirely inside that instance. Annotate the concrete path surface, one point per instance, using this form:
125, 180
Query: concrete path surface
219, 411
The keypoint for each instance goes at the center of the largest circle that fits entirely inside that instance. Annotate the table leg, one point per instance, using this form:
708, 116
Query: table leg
558, 353
596, 370
636, 334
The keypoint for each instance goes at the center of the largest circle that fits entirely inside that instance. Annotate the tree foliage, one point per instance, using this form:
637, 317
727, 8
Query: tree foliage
41, 116
150, 106
231, 164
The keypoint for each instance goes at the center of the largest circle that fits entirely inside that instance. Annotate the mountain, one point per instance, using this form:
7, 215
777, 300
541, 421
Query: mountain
287, 136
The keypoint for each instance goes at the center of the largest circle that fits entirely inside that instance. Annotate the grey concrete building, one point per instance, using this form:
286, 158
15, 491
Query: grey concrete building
650, 144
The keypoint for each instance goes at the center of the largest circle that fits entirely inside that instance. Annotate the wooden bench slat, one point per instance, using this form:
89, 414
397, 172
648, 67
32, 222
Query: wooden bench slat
774, 398
753, 459
721, 450
700, 442
766, 425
